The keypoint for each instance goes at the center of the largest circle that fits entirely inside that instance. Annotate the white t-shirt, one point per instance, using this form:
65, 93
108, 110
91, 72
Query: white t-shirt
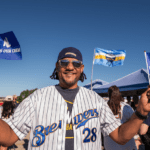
124, 115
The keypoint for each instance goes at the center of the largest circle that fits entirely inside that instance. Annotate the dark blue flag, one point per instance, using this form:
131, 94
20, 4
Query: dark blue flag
9, 47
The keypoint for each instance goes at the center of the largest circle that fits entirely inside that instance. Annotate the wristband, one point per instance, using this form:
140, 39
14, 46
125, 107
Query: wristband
140, 116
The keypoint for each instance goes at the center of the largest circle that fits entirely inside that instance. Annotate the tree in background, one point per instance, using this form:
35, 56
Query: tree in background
25, 94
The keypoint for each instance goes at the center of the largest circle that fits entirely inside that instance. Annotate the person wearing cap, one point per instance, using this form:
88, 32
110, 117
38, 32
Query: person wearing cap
67, 116
6, 111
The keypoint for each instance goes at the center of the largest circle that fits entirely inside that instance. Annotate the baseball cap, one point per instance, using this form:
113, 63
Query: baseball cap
70, 52
9, 98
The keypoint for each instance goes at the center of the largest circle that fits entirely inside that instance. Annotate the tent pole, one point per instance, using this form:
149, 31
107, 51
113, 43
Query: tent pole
147, 66
92, 68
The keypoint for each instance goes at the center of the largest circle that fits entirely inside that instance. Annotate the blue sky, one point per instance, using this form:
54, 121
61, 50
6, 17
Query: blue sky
44, 27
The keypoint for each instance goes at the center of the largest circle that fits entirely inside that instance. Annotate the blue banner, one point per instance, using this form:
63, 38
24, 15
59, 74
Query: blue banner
9, 47
148, 61
109, 58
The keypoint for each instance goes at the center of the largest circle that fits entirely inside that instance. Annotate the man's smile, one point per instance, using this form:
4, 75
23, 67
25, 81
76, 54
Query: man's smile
69, 73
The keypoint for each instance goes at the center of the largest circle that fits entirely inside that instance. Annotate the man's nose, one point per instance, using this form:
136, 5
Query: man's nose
70, 66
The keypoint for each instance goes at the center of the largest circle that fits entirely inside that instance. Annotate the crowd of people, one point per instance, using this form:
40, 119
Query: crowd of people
69, 117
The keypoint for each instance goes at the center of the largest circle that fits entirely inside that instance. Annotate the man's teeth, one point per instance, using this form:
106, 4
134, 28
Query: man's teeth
68, 73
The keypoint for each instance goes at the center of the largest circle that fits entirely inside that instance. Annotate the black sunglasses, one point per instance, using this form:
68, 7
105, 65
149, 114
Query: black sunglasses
65, 63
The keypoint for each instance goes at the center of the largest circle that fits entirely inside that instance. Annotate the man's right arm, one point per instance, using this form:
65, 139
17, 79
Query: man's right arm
7, 135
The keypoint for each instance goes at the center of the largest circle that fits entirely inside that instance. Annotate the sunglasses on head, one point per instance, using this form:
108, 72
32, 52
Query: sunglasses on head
65, 63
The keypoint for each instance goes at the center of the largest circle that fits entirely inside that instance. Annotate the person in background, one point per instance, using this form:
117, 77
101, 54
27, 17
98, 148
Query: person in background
6, 111
123, 113
134, 103
145, 133
14, 101
129, 100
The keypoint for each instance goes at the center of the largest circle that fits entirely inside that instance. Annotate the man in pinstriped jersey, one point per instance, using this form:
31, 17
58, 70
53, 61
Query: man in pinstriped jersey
66, 116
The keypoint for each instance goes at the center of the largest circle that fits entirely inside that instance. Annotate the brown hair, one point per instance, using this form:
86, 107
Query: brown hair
115, 98
8, 109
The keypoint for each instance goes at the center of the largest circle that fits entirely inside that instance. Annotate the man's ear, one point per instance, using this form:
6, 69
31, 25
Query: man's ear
82, 68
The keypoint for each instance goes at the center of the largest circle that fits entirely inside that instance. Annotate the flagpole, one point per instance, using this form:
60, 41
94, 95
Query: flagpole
92, 68
147, 66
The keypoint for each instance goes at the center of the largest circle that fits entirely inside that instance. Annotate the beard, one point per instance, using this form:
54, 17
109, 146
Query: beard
70, 83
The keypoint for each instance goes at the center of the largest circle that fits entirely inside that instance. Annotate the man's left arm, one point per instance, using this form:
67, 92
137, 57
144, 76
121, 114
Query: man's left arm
126, 131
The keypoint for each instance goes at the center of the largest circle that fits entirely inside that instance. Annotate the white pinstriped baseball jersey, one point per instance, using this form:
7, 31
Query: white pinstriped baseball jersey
124, 115
45, 114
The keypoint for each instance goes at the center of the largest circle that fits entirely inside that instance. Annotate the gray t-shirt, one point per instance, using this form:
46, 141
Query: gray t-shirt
69, 96
147, 121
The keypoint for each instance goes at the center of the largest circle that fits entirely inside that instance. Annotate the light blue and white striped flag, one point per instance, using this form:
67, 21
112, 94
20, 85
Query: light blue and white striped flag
109, 58
9, 47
